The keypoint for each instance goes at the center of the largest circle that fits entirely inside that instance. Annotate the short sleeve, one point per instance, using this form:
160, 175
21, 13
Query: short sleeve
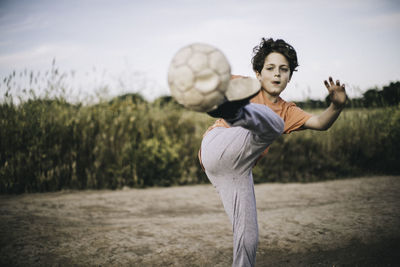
294, 118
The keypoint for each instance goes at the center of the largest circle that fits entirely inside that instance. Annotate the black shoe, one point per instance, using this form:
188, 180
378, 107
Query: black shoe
238, 94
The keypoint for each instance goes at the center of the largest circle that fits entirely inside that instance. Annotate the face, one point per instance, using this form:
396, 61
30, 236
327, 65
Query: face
275, 74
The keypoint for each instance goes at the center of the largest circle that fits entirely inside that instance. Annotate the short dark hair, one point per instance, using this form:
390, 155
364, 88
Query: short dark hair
268, 46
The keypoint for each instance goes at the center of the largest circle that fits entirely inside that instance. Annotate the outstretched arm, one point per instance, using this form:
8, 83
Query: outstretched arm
325, 120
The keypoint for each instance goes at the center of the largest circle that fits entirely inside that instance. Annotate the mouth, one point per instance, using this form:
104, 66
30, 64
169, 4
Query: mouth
276, 82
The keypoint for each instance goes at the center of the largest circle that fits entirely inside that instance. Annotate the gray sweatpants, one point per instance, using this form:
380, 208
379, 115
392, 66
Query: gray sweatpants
228, 156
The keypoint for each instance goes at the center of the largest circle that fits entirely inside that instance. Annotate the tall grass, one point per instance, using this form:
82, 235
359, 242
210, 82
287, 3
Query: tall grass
48, 143
52, 145
361, 142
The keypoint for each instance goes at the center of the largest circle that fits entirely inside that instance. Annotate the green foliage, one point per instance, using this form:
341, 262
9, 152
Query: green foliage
361, 142
49, 145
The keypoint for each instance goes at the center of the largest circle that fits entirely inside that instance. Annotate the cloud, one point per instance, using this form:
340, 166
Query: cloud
330, 37
382, 21
38, 56
10, 25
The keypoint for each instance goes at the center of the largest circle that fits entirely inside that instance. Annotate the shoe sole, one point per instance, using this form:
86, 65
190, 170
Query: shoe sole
242, 88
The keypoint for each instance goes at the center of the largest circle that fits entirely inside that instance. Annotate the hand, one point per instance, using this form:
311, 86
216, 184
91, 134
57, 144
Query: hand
337, 93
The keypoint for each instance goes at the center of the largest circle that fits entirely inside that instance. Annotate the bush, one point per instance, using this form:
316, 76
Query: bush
49, 145
361, 142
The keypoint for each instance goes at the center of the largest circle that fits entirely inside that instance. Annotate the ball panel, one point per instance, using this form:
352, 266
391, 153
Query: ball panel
219, 63
182, 56
206, 81
203, 48
177, 95
225, 78
212, 100
198, 62
181, 78
192, 98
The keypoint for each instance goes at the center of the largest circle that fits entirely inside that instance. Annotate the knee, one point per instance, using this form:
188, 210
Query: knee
275, 127
269, 122
280, 126
276, 122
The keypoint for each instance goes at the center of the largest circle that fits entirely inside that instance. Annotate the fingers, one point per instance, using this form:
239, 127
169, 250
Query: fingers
327, 85
331, 83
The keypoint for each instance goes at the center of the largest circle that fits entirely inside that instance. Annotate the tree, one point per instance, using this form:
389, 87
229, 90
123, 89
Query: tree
391, 93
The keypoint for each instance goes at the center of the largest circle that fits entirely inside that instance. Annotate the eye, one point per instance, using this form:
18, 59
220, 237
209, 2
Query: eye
285, 69
269, 68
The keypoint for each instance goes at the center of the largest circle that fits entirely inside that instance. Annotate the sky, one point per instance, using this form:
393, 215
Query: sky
128, 45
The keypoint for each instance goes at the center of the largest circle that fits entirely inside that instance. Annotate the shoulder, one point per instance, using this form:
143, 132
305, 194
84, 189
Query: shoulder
288, 107
294, 116
286, 103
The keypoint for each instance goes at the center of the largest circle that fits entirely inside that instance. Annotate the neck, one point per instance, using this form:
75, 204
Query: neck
271, 98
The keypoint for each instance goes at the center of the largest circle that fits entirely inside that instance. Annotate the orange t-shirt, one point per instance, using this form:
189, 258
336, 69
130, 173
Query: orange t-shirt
293, 116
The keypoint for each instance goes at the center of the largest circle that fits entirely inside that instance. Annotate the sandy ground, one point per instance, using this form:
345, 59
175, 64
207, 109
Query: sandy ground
354, 222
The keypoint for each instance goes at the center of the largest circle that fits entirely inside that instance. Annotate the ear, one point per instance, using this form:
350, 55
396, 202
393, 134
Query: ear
258, 75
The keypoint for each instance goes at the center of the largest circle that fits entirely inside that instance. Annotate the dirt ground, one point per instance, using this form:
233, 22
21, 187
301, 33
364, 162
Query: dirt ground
352, 222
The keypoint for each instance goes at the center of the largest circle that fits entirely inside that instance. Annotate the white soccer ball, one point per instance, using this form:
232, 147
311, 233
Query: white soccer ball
198, 77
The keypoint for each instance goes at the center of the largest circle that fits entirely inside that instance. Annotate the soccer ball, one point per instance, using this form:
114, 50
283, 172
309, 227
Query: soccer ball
199, 76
